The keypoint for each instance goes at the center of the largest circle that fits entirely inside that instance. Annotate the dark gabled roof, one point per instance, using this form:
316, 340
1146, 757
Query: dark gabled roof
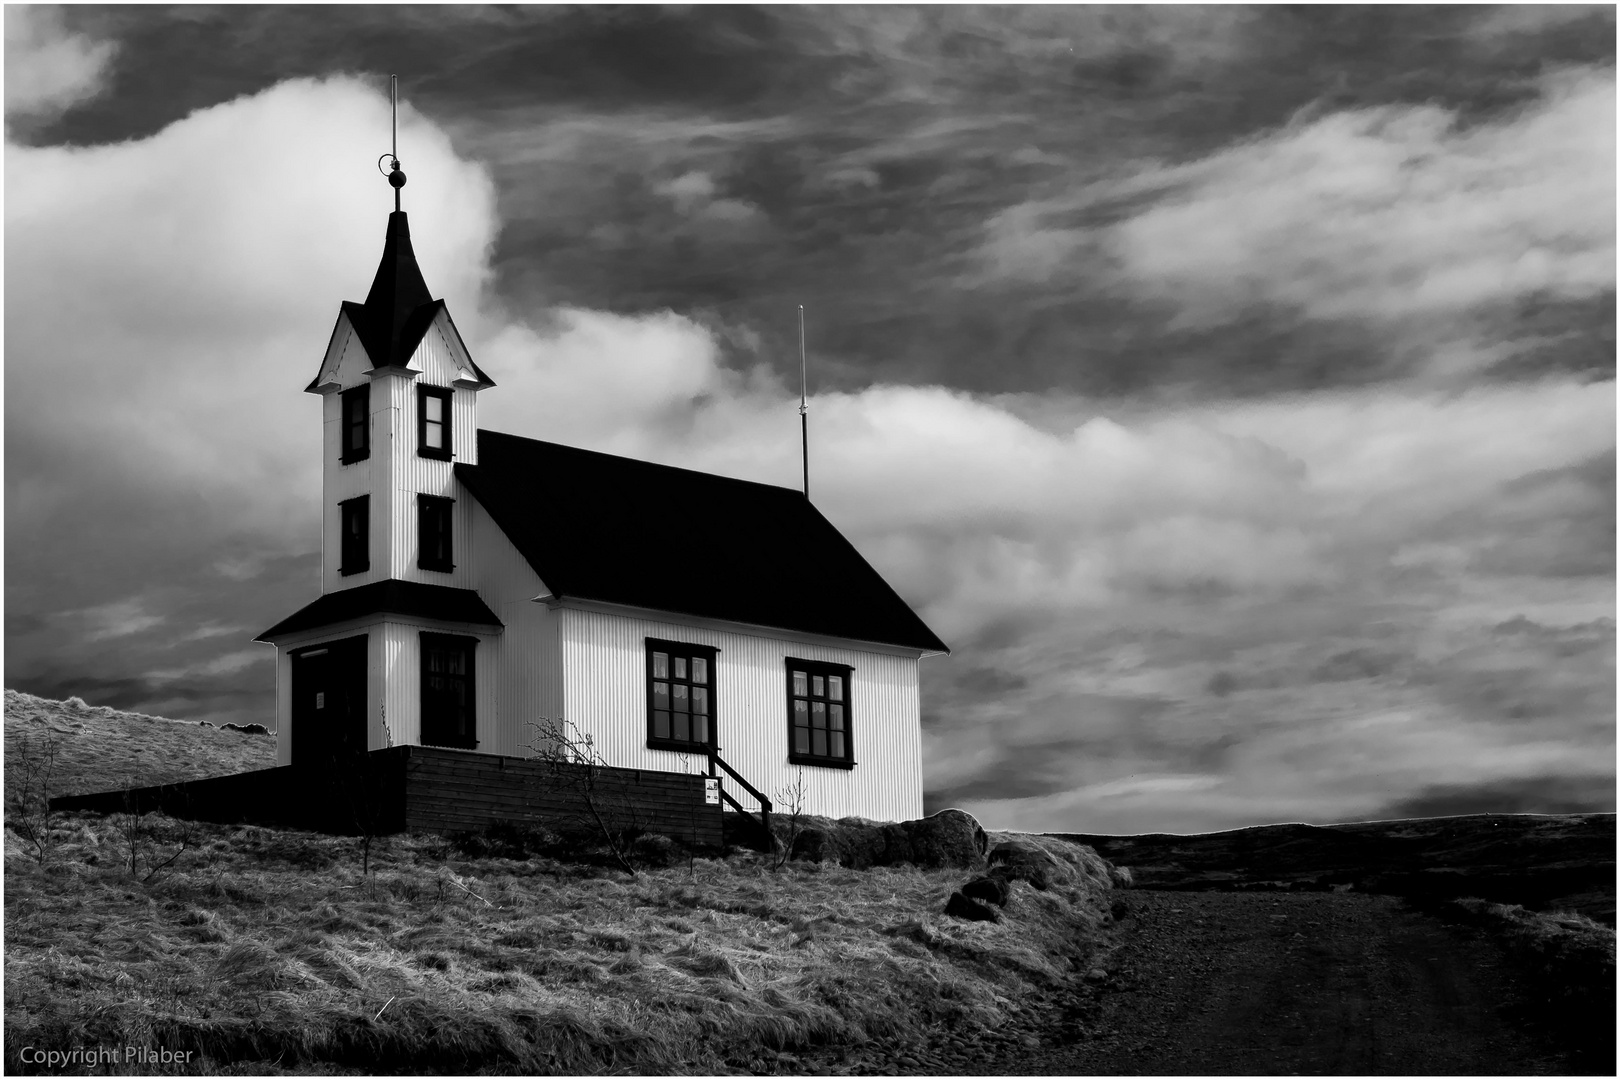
398, 309
599, 527
392, 597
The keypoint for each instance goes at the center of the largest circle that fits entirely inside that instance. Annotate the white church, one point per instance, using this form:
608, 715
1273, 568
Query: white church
474, 582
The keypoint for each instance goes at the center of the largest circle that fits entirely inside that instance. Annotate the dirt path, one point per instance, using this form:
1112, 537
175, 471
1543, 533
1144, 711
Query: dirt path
1287, 983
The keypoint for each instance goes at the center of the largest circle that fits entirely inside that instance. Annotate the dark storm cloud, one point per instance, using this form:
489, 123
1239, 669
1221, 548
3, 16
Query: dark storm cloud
852, 157
1529, 795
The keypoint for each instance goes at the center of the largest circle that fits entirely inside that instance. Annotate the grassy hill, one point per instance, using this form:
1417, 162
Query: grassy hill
101, 749
262, 950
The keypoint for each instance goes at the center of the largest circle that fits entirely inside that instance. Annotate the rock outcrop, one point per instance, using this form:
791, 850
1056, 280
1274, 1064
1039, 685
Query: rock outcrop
948, 838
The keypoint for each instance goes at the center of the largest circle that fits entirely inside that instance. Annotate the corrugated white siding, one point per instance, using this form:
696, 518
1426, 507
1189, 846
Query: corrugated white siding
604, 680
401, 662
526, 655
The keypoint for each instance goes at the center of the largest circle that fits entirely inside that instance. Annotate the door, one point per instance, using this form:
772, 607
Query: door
329, 701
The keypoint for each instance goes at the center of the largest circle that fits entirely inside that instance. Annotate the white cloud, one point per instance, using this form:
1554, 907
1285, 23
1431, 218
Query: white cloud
183, 286
1392, 212
118, 619
1409, 216
48, 69
696, 195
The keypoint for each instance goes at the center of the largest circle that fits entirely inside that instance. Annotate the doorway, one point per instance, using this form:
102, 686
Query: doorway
329, 701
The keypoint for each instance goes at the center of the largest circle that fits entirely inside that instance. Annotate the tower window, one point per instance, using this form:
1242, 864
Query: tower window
356, 544
433, 422
433, 518
356, 424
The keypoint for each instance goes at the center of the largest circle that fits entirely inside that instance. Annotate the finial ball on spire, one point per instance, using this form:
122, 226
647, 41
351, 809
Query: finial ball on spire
396, 175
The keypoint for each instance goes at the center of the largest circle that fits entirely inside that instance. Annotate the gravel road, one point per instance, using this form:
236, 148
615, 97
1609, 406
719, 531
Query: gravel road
1211, 983
1215, 983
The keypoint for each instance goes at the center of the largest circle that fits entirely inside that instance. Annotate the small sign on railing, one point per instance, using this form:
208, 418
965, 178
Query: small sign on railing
711, 791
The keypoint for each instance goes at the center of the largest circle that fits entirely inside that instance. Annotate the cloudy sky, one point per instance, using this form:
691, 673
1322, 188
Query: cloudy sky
1232, 388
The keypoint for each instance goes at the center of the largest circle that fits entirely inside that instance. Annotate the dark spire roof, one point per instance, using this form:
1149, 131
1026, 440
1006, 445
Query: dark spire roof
398, 309
600, 527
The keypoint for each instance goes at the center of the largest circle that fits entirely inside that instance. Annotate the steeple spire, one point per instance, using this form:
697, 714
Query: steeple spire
396, 175
399, 307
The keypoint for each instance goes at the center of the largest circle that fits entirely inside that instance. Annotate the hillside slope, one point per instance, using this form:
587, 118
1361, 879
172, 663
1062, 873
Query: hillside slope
102, 749
261, 950
1541, 861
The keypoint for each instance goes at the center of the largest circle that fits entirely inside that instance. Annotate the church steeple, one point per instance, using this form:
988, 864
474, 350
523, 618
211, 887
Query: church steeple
392, 325
399, 308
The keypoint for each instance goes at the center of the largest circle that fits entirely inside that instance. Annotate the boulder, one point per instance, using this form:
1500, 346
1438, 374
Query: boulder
989, 889
948, 838
964, 907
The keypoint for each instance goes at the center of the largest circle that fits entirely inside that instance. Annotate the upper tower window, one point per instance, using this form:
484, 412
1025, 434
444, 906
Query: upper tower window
433, 529
355, 548
433, 421
356, 424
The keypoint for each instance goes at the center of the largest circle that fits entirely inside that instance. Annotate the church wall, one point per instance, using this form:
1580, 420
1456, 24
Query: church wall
526, 655
604, 671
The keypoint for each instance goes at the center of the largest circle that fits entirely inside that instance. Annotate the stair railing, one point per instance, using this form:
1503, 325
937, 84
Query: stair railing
764, 816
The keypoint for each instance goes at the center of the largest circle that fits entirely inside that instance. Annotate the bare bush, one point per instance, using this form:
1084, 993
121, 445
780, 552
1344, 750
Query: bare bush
144, 839
29, 812
607, 807
792, 799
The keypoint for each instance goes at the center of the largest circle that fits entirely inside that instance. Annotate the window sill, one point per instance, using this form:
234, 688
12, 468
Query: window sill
825, 763
350, 571
436, 455
437, 569
473, 745
678, 747
354, 460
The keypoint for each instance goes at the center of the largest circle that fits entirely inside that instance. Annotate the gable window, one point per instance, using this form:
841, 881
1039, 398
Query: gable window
433, 422
356, 424
449, 693
819, 714
680, 696
355, 548
433, 517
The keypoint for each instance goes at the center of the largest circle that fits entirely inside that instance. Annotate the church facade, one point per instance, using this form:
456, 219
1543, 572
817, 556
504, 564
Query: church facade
480, 590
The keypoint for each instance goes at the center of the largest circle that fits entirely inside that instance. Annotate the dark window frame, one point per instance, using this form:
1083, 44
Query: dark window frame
434, 512
462, 740
687, 651
446, 395
823, 669
354, 555
349, 414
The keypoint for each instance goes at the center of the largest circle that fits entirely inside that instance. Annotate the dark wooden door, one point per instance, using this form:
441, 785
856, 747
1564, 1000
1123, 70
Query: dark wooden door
329, 701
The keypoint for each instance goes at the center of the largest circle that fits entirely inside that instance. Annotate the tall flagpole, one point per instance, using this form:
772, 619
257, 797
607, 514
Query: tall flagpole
804, 407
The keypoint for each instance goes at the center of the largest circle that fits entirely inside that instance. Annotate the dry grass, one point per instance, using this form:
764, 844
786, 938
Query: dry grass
1569, 960
103, 749
270, 948
267, 951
